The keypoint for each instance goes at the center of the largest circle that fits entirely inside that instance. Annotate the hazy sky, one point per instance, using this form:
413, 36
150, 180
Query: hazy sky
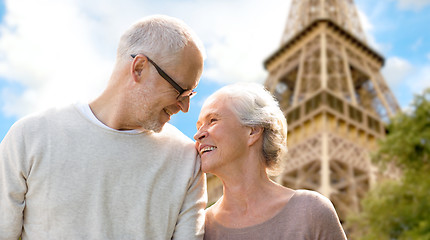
56, 52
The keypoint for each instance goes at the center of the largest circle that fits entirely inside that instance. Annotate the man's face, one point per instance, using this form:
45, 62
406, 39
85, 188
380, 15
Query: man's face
160, 99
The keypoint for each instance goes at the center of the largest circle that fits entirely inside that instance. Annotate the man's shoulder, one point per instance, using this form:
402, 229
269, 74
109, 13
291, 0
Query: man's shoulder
174, 134
43, 115
32, 124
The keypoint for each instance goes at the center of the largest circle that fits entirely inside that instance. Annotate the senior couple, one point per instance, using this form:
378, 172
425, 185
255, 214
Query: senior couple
115, 169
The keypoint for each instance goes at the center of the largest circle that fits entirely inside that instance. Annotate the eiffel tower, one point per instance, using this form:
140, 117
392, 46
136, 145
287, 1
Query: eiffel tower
328, 83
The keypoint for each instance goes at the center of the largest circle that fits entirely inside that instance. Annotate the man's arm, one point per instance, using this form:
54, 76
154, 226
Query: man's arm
191, 219
12, 185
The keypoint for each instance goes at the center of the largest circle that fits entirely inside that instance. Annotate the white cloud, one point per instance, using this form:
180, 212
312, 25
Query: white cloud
406, 79
366, 25
63, 51
238, 35
396, 70
369, 29
413, 4
51, 49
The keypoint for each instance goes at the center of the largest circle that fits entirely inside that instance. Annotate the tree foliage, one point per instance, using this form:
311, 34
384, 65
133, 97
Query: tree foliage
400, 209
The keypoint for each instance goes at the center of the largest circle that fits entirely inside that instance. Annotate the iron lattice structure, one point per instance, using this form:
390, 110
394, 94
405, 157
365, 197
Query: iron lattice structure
328, 83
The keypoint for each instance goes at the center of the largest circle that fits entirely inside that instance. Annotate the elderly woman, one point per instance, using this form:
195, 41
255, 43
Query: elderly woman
241, 138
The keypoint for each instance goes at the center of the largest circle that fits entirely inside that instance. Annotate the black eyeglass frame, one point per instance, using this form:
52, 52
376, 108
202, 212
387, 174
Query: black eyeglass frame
182, 92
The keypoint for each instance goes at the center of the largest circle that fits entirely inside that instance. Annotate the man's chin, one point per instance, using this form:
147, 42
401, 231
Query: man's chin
157, 130
158, 127
153, 127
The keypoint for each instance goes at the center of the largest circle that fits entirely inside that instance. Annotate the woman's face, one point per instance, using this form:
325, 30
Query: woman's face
220, 139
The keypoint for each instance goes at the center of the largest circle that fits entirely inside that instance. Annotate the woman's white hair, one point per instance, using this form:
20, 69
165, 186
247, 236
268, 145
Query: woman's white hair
256, 107
161, 38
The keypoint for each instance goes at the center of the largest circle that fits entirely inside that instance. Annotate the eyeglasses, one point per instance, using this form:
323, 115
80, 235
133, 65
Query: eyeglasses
183, 93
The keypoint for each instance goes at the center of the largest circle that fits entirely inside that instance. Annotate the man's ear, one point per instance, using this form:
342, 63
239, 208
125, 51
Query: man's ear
137, 67
255, 134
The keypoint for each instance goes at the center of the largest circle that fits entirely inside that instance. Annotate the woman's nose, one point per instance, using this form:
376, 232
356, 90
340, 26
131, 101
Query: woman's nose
200, 134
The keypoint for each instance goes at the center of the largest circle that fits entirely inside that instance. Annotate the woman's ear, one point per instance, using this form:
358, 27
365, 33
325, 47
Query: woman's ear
255, 134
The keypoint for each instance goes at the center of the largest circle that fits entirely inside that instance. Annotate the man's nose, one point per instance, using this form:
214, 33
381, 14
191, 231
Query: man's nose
184, 104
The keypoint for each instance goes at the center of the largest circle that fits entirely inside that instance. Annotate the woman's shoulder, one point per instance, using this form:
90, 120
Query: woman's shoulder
314, 204
309, 196
318, 212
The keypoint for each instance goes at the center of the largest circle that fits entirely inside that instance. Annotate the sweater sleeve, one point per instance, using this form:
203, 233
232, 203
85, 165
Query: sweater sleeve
325, 222
13, 185
191, 220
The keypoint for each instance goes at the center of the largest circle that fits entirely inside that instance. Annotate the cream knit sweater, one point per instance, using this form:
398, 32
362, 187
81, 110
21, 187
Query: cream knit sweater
64, 177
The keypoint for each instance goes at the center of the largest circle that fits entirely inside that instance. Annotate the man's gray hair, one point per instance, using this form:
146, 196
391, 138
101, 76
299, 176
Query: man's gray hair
160, 37
256, 107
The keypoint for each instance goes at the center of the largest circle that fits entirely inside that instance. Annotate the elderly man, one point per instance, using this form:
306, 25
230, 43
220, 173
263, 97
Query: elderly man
114, 168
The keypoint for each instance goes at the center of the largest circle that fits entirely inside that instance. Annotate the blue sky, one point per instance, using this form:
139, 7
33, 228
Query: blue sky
56, 52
